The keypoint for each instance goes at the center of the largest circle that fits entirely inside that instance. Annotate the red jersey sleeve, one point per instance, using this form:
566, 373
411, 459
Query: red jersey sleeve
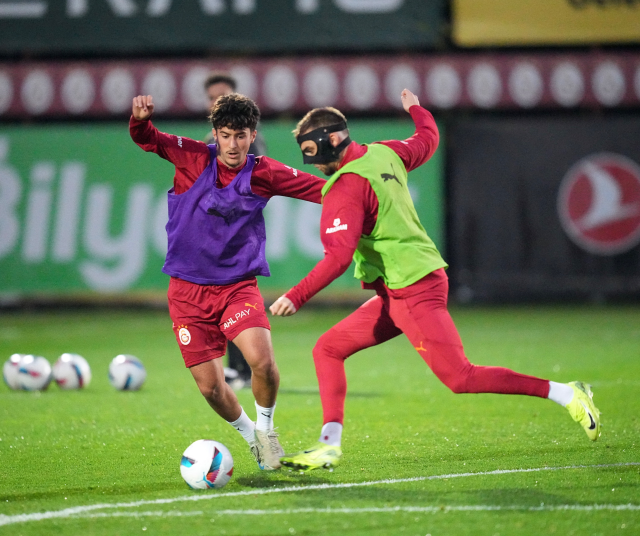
271, 177
190, 157
344, 211
417, 149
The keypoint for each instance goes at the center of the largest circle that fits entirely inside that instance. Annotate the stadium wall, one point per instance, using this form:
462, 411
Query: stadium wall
538, 104
545, 208
357, 84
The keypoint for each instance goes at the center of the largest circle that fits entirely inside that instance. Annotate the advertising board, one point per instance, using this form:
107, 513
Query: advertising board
83, 209
545, 22
216, 27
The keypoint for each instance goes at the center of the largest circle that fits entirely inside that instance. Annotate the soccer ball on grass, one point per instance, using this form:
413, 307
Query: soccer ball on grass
71, 371
206, 464
27, 372
127, 373
10, 371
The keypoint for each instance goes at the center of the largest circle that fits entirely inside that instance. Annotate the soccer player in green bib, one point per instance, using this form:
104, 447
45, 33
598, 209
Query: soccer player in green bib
368, 215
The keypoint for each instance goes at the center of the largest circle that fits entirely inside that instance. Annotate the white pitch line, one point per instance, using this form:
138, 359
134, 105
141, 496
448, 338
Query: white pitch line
74, 511
154, 513
380, 510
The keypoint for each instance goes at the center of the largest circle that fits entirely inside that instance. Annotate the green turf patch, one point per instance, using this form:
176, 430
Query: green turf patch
60, 449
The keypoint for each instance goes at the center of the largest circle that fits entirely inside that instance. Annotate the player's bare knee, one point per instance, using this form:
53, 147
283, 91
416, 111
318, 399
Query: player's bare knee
211, 391
265, 368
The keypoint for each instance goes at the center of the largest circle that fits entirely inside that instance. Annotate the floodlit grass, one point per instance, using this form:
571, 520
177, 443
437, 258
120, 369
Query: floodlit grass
61, 450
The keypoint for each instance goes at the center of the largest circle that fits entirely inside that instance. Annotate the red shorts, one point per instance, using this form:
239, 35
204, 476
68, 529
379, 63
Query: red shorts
205, 317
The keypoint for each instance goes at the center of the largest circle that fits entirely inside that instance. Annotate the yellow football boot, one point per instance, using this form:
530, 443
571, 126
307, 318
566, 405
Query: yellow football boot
320, 455
583, 411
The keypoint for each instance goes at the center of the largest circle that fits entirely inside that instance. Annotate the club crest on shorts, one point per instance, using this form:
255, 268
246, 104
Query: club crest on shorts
183, 335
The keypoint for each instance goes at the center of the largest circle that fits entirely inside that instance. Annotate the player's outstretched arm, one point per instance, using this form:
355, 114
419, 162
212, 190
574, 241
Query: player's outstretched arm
142, 107
189, 156
291, 182
417, 149
283, 306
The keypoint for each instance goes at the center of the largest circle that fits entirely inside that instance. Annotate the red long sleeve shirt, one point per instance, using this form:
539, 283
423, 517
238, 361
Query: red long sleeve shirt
352, 206
190, 158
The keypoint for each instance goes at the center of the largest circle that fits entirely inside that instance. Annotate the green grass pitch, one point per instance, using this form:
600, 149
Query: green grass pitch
99, 461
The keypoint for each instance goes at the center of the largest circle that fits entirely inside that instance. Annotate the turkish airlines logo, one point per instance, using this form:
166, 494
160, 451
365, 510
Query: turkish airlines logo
599, 204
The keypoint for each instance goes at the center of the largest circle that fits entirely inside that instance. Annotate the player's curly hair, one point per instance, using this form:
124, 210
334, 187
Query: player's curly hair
234, 111
319, 117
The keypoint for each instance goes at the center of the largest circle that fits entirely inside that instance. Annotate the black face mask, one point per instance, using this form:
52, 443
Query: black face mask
326, 152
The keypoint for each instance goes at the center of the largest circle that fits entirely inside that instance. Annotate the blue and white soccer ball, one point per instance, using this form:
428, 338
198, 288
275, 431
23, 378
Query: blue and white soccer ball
206, 464
71, 371
127, 373
34, 373
10, 371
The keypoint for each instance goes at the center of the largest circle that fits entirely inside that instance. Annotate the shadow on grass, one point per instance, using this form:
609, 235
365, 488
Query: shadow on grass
268, 481
289, 391
500, 498
94, 491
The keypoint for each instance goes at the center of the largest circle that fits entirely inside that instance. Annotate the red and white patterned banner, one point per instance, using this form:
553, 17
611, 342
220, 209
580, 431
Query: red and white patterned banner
368, 84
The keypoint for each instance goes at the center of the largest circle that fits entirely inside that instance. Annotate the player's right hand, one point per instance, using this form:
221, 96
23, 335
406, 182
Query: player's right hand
142, 107
283, 306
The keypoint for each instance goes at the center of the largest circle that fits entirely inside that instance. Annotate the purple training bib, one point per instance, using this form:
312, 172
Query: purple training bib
217, 235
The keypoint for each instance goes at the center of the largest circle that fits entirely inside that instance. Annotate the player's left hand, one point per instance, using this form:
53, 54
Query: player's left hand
283, 306
408, 99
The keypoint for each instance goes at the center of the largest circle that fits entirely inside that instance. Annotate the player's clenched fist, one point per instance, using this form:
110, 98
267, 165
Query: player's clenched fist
142, 107
408, 99
283, 306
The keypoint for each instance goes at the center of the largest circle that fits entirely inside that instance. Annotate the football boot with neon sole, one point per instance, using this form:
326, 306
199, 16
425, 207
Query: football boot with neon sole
320, 455
270, 450
582, 409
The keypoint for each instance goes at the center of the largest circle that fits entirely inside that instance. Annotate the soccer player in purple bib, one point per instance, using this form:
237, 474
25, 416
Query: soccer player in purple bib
216, 248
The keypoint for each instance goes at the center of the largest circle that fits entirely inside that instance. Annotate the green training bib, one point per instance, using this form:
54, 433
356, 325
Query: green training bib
398, 249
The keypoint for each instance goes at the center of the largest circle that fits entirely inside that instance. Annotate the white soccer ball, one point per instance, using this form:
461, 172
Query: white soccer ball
127, 373
71, 371
10, 371
34, 373
206, 464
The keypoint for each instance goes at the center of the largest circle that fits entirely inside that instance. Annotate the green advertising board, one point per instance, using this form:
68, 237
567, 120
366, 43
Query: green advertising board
83, 209
206, 26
